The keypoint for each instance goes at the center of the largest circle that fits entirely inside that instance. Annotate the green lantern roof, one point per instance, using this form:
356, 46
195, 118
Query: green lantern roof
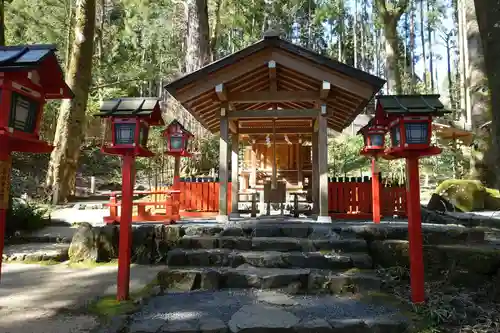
143, 107
412, 104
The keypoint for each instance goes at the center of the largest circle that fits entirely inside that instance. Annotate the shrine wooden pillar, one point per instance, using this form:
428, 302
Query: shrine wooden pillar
300, 176
322, 153
235, 188
223, 165
253, 171
315, 175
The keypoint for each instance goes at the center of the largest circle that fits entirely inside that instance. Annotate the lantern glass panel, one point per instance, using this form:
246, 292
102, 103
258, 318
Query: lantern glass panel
143, 139
376, 139
395, 135
125, 133
176, 142
416, 133
23, 113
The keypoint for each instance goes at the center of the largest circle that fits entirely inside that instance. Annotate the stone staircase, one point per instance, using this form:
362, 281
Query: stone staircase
281, 276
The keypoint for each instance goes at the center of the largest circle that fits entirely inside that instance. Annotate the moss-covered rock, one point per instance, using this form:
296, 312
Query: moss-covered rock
469, 195
93, 244
455, 259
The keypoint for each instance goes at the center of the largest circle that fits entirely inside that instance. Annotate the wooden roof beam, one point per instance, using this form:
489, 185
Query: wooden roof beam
325, 90
276, 96
273, 86
220, 91
282, 113
279, 130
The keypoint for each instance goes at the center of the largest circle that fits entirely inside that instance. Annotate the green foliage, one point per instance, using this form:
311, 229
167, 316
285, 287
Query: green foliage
344, 157
25, 216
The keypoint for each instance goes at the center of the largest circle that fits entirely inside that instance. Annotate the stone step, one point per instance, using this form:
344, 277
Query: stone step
272, 244
433, 233
257, 311
269, 259
36, 252
292, 281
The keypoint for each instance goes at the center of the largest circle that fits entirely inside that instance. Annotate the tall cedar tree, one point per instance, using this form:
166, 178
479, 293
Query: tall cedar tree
488, 17
71, 120
389, 15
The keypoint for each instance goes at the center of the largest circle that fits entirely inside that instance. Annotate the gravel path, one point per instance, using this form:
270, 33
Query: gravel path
48, 299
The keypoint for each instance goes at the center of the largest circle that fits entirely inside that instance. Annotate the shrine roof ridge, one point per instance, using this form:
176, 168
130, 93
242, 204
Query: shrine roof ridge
129, 106
21, 57
275, 41
428, 104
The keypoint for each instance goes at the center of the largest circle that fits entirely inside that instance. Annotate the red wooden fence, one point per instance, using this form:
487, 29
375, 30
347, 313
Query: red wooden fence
344, 198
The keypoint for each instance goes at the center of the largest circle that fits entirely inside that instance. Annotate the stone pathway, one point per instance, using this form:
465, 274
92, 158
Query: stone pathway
50, 299
252, 311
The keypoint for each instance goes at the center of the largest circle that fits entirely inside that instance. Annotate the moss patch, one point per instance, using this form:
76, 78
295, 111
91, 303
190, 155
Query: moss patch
469, 195
34, 262
92, 264
108, 306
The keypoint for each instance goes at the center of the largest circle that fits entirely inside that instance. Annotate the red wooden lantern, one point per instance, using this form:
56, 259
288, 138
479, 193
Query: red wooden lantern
410, 127
410, 124
29, 75
374, 134
130, 119
178, 139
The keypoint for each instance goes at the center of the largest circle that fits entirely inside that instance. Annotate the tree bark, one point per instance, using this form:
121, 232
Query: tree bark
422, 36
488, 18
71, 120
2, 23
198, 40
392, 56
390, 18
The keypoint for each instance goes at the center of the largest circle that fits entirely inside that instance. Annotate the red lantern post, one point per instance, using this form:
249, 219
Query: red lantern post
374, 138
29, 75
410, 127
177, 138
130, 119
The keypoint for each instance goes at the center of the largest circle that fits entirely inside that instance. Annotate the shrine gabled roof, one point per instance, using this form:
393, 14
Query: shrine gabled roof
144, 107
421, 104
42, 58
296, 69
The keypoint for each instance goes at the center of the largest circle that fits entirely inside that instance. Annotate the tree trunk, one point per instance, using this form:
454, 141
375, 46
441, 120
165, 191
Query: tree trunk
431, 55
198, 40
422, 36
412, 46
355, 33
71, 121
392, 56
2, 23
488, 18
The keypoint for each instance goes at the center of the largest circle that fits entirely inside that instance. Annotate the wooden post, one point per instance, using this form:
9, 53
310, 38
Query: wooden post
92, 185
375, 191
415, 230
253, 171
5, 178
223, 166
175, 197
315, 177
125, 239
254, 205
273, 178
323, 215
299, 164
235, 188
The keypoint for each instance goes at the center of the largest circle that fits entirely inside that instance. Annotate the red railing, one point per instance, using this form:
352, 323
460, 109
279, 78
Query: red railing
346, 199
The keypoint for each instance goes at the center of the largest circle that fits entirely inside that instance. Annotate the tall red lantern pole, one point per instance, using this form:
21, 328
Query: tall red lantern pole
410, 127
415, 230
375, 191
125, 239
130, 120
